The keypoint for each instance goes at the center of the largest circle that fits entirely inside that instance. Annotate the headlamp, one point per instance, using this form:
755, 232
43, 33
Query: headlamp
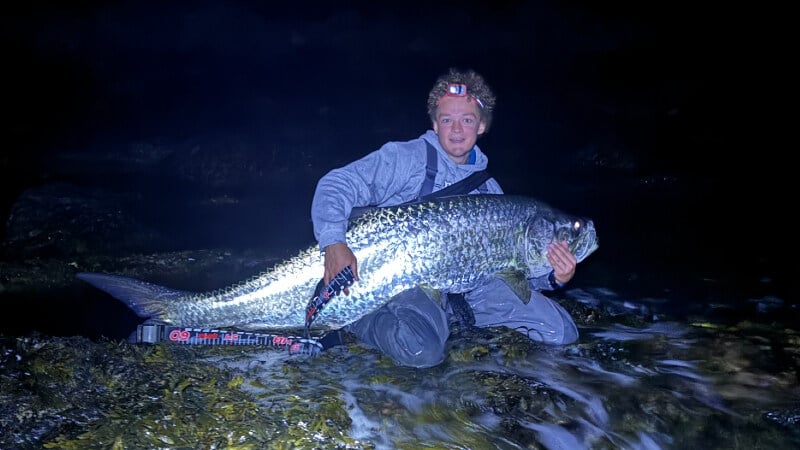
457, 89
460, 90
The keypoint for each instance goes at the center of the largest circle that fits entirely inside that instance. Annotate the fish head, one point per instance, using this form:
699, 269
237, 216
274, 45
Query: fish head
552, 226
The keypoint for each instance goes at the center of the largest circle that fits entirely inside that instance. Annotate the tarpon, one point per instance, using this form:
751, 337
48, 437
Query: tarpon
449, 245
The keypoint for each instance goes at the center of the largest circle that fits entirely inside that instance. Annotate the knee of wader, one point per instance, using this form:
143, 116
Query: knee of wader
554, 328
415, 351
570, 333
422, 360
412, 340
564, 331
550, 335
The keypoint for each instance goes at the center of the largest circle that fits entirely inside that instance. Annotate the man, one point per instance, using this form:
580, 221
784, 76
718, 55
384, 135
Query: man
412, 329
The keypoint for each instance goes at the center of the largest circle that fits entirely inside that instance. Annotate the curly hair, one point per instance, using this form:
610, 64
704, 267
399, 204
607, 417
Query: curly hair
476, 87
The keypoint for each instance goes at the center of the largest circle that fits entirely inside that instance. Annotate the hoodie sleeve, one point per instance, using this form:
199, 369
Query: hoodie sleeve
391, 172
540, 283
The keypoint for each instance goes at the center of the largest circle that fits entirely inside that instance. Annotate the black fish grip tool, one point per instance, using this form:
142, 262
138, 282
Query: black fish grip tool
342, 280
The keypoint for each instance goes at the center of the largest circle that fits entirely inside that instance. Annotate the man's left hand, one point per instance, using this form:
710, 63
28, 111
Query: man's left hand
562, 260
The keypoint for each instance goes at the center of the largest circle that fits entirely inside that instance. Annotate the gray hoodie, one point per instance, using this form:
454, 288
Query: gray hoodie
389, 176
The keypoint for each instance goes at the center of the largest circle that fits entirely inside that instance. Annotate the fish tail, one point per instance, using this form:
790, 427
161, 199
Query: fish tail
147, 300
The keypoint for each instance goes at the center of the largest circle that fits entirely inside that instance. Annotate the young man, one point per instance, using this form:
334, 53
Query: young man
412, 329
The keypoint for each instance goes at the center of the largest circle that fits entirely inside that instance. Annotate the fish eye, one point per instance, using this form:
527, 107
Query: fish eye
577, 225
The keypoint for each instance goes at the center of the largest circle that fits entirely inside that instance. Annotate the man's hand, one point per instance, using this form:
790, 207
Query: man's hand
562, 260
337, 257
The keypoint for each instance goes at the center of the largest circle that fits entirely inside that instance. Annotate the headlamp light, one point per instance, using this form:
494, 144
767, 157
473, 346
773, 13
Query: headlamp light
460, 90
457, 89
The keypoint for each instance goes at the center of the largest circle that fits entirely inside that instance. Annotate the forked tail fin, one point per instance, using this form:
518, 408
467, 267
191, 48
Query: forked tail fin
147, 300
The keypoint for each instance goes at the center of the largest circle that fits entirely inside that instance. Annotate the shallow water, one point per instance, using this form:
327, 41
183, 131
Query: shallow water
638, 378
662, 384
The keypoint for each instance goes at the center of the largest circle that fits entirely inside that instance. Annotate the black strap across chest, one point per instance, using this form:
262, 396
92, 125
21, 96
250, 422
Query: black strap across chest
477, 180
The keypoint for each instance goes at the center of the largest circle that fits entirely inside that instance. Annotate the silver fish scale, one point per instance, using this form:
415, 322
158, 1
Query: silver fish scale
450, 244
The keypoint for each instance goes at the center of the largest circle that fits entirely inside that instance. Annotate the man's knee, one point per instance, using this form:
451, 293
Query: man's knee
414, 349
564, 325
411, 338
554, 325
571, 333
412, 330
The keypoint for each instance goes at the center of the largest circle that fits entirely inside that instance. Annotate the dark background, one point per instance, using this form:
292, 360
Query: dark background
659, 120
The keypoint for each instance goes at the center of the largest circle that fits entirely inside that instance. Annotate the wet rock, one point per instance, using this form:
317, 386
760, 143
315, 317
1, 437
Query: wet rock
63, 220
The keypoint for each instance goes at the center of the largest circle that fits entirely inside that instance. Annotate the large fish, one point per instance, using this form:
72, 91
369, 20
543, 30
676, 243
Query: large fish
451, 244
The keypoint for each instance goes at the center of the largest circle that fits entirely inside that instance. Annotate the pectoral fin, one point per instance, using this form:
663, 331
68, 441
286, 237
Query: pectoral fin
518, 283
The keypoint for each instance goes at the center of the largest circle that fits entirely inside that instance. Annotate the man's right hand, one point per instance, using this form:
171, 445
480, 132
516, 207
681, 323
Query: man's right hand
337, 257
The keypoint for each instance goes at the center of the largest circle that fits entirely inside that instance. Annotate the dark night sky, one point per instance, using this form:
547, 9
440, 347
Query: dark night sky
145, 69
662, 99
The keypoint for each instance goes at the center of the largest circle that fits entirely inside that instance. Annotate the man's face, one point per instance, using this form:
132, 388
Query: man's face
458, 124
